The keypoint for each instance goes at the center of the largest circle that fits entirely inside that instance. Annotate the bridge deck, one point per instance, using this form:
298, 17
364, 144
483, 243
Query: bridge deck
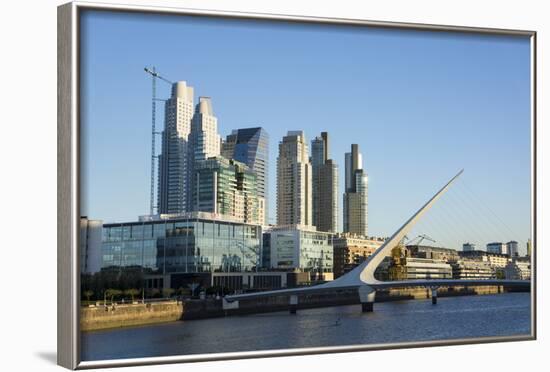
323, 288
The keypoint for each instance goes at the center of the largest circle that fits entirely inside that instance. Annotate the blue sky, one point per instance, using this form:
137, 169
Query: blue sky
421, 105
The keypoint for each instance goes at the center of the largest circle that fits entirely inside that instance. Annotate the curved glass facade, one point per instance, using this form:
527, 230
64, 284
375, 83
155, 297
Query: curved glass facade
182, 246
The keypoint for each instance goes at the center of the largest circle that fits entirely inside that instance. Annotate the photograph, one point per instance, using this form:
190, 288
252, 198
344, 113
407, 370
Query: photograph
266, 185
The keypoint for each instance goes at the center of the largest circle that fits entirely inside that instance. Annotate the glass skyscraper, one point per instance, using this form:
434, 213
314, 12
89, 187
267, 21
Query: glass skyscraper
251, 147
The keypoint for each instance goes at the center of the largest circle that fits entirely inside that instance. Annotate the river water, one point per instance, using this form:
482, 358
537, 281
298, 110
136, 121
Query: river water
401, 321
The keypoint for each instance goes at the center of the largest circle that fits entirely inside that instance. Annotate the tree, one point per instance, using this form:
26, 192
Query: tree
112, 293
167, 292
192, 287
112, 277
132, 292
153, 292
88, 293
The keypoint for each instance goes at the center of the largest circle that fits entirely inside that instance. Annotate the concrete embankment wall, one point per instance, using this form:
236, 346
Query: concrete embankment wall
395, 294
100, 317
201, 309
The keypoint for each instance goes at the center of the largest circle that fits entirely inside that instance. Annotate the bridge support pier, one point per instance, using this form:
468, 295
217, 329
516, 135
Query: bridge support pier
226, 305
367, 296
434, 295
293, 301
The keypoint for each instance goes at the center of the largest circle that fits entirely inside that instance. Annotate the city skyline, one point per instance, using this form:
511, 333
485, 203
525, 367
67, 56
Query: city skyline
383, 192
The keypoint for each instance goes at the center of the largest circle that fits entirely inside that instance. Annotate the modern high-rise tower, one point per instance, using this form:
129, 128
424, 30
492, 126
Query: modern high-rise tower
294, 181
204, 140
324, 186
204, 137
251, 147
355, 197
226, 187
173, 177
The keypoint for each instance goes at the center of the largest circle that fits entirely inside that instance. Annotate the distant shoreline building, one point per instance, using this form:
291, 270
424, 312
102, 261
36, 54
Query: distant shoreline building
351, 250
294, 196
436, 253
426, 268
472, 269
518, 270
355, 196
497, 260
324, 186
413, 268
497, 247
512, 248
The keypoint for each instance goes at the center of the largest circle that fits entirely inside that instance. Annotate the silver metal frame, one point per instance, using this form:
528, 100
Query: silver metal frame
68, 184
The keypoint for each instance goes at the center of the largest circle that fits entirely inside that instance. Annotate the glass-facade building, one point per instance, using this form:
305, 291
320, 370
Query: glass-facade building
300, 248
251, 147
190, 244
226, 187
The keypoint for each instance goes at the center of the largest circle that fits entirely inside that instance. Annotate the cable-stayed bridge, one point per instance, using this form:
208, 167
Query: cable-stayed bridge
362, 277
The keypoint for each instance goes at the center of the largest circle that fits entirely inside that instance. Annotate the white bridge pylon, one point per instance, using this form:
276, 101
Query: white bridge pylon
362, 277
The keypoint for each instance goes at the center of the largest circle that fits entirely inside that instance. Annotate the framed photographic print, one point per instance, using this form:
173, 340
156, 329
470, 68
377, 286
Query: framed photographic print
238, 185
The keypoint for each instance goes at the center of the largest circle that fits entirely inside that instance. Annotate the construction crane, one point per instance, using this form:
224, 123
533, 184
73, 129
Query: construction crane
420, 238
154, 76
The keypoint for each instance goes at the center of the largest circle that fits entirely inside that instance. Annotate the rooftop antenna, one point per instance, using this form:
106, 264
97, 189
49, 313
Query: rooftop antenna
154, 76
